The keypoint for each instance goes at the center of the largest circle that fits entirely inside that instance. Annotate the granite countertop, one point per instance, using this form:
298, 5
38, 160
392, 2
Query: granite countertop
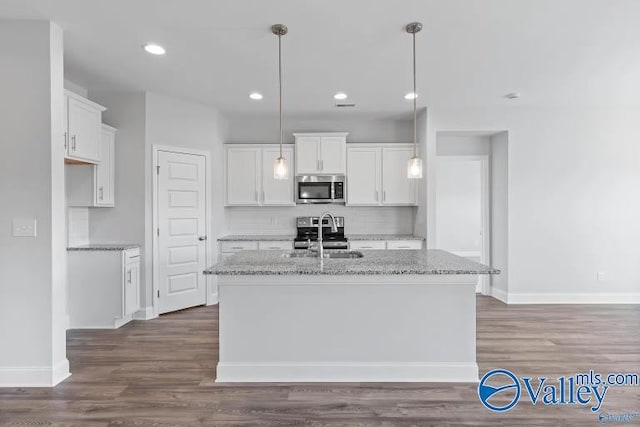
255, 237
383, 237
104, 247
374, 262
275, 237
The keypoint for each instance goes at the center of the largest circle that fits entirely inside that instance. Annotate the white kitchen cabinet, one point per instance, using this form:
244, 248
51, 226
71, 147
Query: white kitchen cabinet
105, 171
83, 129
249, 176
377, 175
94, 185
397, 189
363, 176
385, 244
321, 153
270, 245
277, 192
104, 288
229, 247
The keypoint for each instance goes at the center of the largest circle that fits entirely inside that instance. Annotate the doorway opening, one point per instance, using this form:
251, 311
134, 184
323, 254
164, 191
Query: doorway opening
472, 201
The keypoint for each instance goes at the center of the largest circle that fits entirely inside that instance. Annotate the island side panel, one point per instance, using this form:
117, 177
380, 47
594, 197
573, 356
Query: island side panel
347, 328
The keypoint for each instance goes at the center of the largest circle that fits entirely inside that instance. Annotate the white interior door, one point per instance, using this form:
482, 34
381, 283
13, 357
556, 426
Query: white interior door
460, 207
181, 230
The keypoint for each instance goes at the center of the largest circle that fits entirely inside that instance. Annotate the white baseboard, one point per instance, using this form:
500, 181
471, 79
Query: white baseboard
573, 298
347, 372
34, 376
499, 294
145, 313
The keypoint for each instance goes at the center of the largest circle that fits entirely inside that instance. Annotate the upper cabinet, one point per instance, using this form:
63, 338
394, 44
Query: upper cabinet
83, 129
93, 185
377, 175
249, 179
321, 153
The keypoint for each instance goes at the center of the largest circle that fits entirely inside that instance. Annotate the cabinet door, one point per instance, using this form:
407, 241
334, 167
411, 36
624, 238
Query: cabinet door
333, 152
84, 129
132, 288
105, 170
277, 191
363, 176
307, 155
243, 176
397, 189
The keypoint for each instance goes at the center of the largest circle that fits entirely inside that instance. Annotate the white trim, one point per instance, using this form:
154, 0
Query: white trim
485, 255
35, 376
348, 372
155, 149
573, 298
212, 290
499, 294
145, 313
328, 134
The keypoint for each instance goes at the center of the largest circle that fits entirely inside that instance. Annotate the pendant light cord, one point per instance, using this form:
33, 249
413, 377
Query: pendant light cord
280, 84
415, 100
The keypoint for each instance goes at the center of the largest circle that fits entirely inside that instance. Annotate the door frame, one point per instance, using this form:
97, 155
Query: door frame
485, 252
210, 298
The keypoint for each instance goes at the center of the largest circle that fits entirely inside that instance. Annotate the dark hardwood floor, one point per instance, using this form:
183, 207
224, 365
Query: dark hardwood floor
161, 373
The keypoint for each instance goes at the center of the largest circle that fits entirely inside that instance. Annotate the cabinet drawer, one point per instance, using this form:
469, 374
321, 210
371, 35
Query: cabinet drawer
368, 244
280, 245
237, 246
404, 244
132, 255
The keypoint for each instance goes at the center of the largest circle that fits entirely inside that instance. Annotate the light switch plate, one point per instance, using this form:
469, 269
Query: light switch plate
24, 227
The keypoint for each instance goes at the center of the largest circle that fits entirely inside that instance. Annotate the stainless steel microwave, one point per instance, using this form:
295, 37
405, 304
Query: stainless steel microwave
320, 189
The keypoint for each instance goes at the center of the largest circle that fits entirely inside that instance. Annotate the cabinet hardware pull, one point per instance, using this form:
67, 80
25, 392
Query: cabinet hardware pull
318, 164
262, 196
101, 192
66, 137
202, 238
129, 279
384, 196
73, 143
377, 195
134, 256
236, 247
321, 165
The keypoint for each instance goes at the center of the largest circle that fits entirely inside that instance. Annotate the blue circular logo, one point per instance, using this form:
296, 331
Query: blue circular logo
508, 382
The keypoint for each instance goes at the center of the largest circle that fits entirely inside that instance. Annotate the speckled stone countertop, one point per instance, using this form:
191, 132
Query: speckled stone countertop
256, 237
104, 247
382, 237
374, 262
276, 237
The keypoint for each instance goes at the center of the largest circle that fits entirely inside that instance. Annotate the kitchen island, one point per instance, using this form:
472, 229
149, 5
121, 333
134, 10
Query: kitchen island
397, 315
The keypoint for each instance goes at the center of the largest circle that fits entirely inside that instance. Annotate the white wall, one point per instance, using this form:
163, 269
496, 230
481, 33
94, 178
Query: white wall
361, 128
500, 212
32, 269
463, 145
573, 207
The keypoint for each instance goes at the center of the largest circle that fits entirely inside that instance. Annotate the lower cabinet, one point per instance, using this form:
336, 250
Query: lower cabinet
104, 288
385, 244
228, 248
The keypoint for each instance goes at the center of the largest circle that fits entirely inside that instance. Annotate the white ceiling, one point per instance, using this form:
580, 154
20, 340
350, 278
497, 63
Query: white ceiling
470, 53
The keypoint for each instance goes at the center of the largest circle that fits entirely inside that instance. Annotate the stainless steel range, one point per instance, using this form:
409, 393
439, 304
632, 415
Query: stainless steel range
308, 233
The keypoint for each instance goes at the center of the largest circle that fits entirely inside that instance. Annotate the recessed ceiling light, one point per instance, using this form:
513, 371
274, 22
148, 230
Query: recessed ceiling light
340, 95
255, 96
154, 49
410, 95
512, 95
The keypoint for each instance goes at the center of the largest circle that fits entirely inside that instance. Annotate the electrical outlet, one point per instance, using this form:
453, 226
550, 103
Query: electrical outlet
602, 276
24, 227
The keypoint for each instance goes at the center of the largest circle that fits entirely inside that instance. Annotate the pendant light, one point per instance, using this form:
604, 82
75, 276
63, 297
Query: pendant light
414, 165
280, 167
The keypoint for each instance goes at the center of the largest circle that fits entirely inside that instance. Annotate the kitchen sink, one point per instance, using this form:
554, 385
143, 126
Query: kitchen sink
327, 254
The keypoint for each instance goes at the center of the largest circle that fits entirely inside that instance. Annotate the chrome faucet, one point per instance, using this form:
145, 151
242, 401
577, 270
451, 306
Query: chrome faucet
334, 229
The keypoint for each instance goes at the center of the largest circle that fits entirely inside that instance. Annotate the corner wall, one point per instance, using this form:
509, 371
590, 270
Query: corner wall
32, 269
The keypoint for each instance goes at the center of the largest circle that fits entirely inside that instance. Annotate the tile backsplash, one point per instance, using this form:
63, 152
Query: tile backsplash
77, 226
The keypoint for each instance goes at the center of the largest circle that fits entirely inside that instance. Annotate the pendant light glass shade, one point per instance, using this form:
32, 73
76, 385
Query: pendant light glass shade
280, 168
414, 168
414, 165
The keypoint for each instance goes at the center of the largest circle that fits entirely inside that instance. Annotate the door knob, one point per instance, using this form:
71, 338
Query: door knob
202, 238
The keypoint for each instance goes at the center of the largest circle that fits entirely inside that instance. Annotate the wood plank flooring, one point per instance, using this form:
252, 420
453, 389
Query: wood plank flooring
161, 373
